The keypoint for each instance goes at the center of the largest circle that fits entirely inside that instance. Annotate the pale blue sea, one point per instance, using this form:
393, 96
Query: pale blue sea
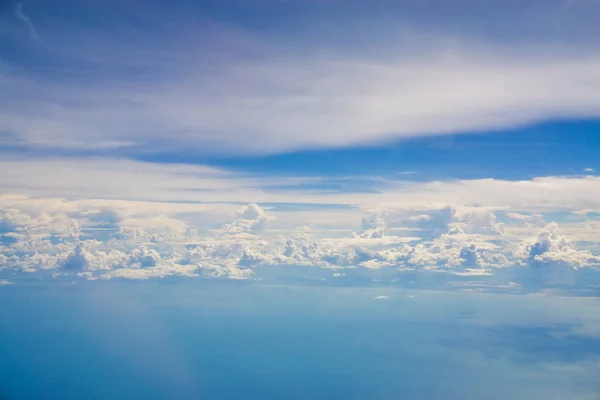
239, 340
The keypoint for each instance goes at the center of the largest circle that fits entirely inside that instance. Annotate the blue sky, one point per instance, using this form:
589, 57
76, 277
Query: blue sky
297, 76
550, 148
363, 138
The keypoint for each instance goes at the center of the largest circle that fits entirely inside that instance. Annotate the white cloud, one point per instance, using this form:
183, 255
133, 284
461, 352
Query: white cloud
552, 248
312, 99
478, 220
401, 203
251, 219
373, 226
128, 250
381, 297
449, 226
532, 220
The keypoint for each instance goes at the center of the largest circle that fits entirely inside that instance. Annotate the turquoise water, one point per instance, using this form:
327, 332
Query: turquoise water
231, 340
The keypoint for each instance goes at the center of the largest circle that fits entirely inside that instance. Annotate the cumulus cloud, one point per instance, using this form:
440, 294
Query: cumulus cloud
111, 239
373, 226
251, 219
480, 221
436, 219
552, 248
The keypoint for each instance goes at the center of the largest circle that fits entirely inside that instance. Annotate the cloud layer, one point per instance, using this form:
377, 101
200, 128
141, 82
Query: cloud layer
246, 92
98, 240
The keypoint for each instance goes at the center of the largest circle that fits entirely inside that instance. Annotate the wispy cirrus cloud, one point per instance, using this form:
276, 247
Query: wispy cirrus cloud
119, 179
305, 102
233, 90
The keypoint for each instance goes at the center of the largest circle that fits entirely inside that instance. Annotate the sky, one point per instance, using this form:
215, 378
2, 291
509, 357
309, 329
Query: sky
365, 139
384, 197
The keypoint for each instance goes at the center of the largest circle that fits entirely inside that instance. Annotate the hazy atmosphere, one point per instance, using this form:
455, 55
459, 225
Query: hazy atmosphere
327, 199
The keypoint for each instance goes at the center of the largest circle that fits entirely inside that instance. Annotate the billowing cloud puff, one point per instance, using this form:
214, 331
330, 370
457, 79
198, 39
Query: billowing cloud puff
552, 248
251, 219
373, 226
93, 247
481, 221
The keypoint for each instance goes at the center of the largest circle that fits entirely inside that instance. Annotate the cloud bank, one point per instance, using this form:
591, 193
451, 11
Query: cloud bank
98, 240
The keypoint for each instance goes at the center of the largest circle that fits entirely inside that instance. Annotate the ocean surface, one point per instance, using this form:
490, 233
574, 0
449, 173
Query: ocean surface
239, 340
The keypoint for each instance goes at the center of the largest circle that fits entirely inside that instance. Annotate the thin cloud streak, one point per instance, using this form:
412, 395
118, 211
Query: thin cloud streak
131, 180
26, 20
213, 87
306, 102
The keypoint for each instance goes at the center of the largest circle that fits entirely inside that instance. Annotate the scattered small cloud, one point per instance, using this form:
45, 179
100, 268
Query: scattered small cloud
5, 282
381, 297
589, 171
